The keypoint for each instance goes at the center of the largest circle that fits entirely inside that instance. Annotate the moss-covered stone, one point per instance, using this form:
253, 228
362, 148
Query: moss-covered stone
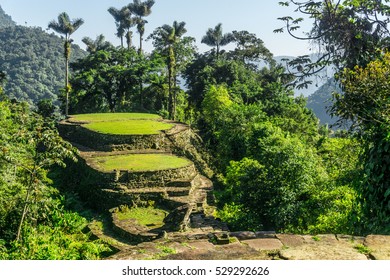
108, 142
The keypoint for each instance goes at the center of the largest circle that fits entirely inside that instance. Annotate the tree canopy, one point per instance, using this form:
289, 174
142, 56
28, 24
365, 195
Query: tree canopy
33, 63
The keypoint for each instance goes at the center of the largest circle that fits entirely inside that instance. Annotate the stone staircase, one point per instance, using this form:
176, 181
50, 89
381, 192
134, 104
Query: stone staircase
185, 192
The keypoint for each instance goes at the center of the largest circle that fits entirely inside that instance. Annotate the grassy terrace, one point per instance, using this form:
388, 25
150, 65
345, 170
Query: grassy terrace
129, 127
151, 217
139, 162
103, 117
123, 123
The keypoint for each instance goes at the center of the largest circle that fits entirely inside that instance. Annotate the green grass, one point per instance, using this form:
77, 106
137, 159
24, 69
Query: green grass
150, 217
129, 127
122, 123
363, 249
140, 162
316, 238
101, 117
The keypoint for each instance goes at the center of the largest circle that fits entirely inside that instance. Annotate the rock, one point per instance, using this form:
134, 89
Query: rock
221, 238
321, 247
291, 240
179, 218
265, 234
264, 244
243, 235
163, 234
379, 245
201, 245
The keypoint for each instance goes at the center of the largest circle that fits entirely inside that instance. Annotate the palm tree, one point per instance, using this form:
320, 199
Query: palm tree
66, 27
140, 10
167, 36
124, 22
98, 44
215, 38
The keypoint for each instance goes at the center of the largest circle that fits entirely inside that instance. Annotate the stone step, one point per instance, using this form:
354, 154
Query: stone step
175, 192
200, 220
170, 191
180, 183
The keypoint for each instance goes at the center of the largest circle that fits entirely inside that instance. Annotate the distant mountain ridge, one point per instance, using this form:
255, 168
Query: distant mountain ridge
33, 61
319, 92
317, 81
321, 100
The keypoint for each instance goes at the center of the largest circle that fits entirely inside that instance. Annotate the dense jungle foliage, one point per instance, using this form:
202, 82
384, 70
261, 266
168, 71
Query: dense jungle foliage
35, 218
33, 62
276, 167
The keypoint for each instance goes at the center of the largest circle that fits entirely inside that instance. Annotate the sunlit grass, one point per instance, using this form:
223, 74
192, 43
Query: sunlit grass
101, 117
140, 162
149, 216
129, 127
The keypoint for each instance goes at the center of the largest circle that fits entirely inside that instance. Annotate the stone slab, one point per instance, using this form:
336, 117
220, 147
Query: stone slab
291, 240
265, 234
324, 247
243, 235
264, 244
379, 245
201, 245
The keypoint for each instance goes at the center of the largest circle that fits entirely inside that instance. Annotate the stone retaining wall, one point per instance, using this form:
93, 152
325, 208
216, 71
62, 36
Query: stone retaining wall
110, 142
147, 179
188, 144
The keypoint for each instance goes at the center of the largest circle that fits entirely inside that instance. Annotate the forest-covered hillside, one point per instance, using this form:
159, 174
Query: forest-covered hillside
5, 20
32, 60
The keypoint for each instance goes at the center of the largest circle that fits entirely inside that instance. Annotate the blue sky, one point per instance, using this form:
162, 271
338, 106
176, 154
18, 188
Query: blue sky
255, 16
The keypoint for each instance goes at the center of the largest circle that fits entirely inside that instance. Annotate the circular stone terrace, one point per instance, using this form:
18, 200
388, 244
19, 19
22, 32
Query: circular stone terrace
122, 123
119, 131
138, 162
128, 147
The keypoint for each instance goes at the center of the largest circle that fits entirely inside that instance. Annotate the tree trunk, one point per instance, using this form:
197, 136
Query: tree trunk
129, 36
25, 208
171, 77
141, 89
67, 55
140, 44
174, 96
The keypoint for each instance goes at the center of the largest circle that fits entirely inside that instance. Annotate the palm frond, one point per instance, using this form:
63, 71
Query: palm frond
76, 23
65, 25
115, 13
179, 28
227, 39
214, 37
141, 9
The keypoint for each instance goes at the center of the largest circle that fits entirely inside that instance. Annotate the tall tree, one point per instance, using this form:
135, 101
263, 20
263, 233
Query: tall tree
141, 10
110, 80
215, 38
98, 44
366, 102
124, 21
250, 49
354, 36
166, 38
117, 15
347, 33
66, 27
